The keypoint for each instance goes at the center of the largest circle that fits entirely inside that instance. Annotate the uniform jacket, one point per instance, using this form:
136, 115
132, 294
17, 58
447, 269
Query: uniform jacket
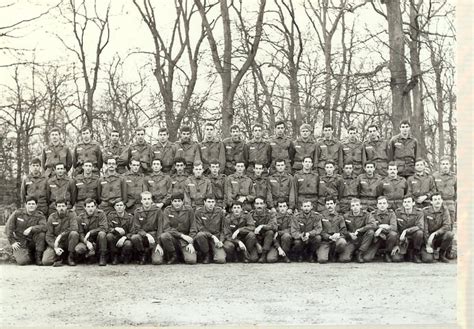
236, 186
306, 223
159, 185
352, 152
264, 217
149, 221
329, 149
281, 185
189, 151
419, 185
306, 184
375, 150
280, 148
410, 222
85, 187
446, 184
61, 188
260, 184
37, 187
385, 217
210, 221
115, 220
438, 221
332, 223
166, 153
133, 185
350, 189
368, 186
212, 150
178, 183
393, 188
51, 155
258, 151
137, 151
301, 148
57, 225
111, 188
218, 186
20, 220
95, 223
196, 189
234, 151
362, 222
330, 186
179, 221
88, 152
244, 223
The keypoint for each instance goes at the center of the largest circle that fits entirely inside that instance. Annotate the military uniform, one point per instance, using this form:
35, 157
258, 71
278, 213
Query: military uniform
166, 153
283, 237
87, 152
280, 148
212, 150
133, 185
349, 191
301, 149
328, 149
419, 185
260, 184
257, 151
365, 224
218, 188
306, 187
281, 185
83, 188
246, 226
196, 189
331, 223
234, 152
52, 154
388, 238
141, 152
36, 186
96, 225
110, 189
367, 188
268, 219
413, 223
329, 186
191, 154
114, 151
301, 224
446, 184
178, 183
237, 186
147, 221
394, 189
159, 185
114, 220
404, 151
352, 152
60, 188
438, 221
376, 150
208, 223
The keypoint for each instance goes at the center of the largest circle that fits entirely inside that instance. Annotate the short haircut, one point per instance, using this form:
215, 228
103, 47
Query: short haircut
90, 200
35, 161
257, 125
237, 203
59, 164
115, 131
210, 124
355, 200
330, 162
259, 198
280, 160
210, 196
349, 162
373, 126
307, 157
31, 198
87, 161
279, 123
54, 129
177, 196
140, 128
61, 201
282, 200
233, 127
405, 122
392, 164
163, 130
186, 129
352, 128
197, 164
408, 196
420, 160
328, 125
118, 200
179, 160
382, 197
436, 194
370, 162
159, 160
445, 158
110, 158
330, 198
85, 128
134, 160
214, 162
145, 193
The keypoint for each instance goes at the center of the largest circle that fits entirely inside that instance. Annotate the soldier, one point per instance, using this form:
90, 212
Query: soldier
304, 146
164, 150
134, 183
350, 190
241, 227
179, 230
92, 232
282, 239
85, 185
332, 234
445, 182
257, 150
218, 184
62, 236
87, 150
410, 227
393, 186
147, 227
260, 184
266, 225
421, 185
210, 236
188, 150
437, 230
234, 149
110, 187
26, 229
60, 186
211, 148
114, 150
327, 148
178, 179
386, 232
36, 185
376, 150
281, 147
54, 153
196, 187
306, 231
360, 232
306, 184
330, 184
352, 151
368, 187
281, 185
118, 234
159, 185
239, 187
403, 149
140, 151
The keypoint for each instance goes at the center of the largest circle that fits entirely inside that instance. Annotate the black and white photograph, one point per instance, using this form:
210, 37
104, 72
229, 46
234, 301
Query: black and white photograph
170, 163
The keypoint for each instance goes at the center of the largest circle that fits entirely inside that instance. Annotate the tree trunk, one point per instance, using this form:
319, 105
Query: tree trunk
437, 67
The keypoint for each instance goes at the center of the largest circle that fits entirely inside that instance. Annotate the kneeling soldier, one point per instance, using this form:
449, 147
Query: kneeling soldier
92, 232
241, 234
306, 231
26, 232
179, 230
209, 240
120, 223
62, 235
333, 232
282, 239
266, 225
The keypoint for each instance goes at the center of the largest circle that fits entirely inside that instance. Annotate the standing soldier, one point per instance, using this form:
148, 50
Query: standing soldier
92, 232
234, 149
211, 148
304, 146
350, 190
403, 149
164, 150
239, 187
360, 232
85, 185
330, 184
87, 150
327, 148
445, 182
352, 151
376, 150
306, 184
306, 231
257, 150
159, 185
60, 186
368, 187
282, 239
147, 226
281, 147
36, 185
26, 229
179, 230
197, 187
241, 234
110, 187
187, 150
332, 234
118, 234
281, 186
210, 236
218, 184
54, 153
114, 150
62, 236
260, 184
178, 180
134, 183
421, 185
140, 151
393, 187
266, 225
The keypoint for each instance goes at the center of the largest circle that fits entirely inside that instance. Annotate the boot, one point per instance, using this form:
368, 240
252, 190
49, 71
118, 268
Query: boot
416, 257
114, 259
142, 259
126, 259
263, 257
70, 259
102, 259
286, 259
311, 258
172, 260
442, 256
300, 258
360, 257
388, 258
58, 262
206, 259
38, 258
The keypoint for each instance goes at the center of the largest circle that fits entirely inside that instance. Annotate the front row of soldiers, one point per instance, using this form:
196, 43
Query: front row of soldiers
181, 233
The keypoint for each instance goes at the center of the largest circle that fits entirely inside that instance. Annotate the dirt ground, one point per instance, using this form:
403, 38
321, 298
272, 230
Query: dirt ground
268, 294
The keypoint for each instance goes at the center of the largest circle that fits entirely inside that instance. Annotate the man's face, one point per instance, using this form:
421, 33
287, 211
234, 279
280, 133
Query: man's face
373, 132
369, 169
236, 209
392, 171
35, 168
111, 165
177, 203
119, 207
405, 129
408, 203
419, 166
348, 169
140, 136
329, 168
87, 168
257, 132
86, 136
163, 136
327, 132
61, 208
135, 166
90, 208
330, 205
239, 168
185, 136
215, 169
60, 170
30, 206
282, 207
355, 207
114, 137
280, 166
54, 137
179, 167
382, 204
147, 201
445, 166
235, 133
210, 204
210, 132
437, 201
352, 135
197, 170
156, 166
306, 207
259, 204
305, 133
307, 164
280, 130
258, 170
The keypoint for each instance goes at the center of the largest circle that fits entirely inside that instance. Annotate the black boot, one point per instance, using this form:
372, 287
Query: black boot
127, 258
114, 259
286, 259
102, 259
416, 257
442, 256
360, 257
172, 260
70, 259
142, 259
38, 258
263, 257
206, 259
58, 262
388, 258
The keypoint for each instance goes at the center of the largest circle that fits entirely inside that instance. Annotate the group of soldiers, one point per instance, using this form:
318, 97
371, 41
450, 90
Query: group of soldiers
265, 200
